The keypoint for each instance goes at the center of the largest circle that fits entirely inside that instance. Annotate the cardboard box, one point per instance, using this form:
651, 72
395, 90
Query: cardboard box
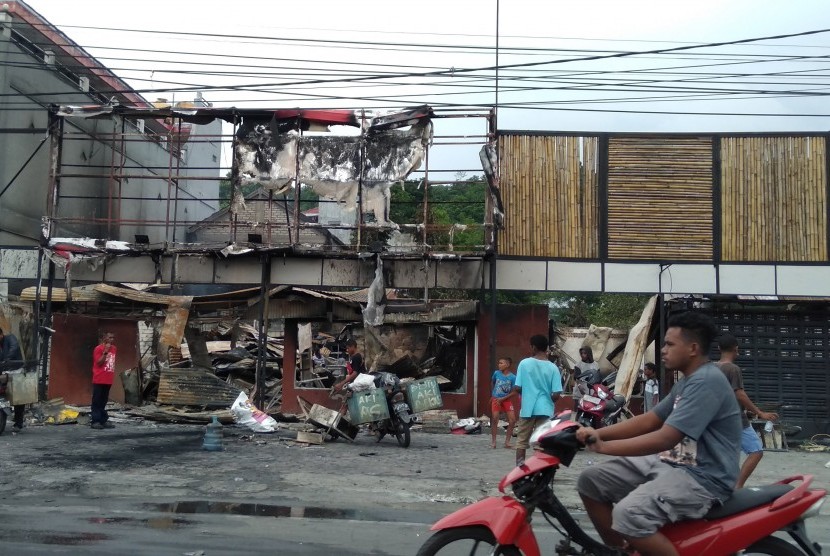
22, 388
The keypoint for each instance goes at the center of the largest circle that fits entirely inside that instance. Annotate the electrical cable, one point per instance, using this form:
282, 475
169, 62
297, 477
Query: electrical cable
453, 71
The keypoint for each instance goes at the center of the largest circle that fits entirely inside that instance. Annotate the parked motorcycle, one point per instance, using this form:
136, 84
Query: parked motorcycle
599, 406
502, 525
399, 421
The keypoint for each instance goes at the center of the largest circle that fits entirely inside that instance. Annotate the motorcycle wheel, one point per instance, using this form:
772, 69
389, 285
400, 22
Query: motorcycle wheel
465, 540
773, 546
3, 418
402, 433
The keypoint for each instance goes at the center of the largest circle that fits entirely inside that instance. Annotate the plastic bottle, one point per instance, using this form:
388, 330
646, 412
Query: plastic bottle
213, 436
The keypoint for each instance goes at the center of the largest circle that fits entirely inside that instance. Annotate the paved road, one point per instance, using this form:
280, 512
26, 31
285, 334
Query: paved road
147, 488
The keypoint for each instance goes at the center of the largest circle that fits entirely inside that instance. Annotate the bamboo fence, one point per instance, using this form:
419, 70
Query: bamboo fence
660, 198
549, 189
774, 199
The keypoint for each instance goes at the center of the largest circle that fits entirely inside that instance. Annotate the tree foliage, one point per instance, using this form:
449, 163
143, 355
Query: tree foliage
605, 309
458, 203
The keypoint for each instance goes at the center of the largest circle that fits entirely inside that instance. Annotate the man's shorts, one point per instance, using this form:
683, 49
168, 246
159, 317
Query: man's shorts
646, 492
498, 405
750, 442
526, 427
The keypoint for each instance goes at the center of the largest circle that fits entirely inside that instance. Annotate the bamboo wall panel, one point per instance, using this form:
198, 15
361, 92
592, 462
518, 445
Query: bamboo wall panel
660, 198
773, 199
549, 188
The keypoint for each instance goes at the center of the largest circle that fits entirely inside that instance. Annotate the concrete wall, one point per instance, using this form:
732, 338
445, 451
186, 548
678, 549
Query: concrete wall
22, 130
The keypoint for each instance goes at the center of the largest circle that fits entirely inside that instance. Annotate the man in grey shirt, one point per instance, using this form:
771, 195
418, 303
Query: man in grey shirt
687, 447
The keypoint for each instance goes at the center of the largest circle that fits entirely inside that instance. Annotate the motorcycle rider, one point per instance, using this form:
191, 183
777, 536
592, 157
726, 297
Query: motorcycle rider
678, 459
354, 366
11, 359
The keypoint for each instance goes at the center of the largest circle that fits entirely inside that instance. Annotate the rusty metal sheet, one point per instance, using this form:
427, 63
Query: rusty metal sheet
175, 321
70, 364
195, 387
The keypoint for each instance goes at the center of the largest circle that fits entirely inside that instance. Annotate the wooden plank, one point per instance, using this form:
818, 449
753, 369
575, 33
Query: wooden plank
323, 416
309, 437
305, 406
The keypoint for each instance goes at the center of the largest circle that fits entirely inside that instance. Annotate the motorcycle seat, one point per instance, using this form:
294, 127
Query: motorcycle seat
747, 498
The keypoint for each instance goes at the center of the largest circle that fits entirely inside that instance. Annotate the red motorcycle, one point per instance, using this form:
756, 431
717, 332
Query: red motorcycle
502, 525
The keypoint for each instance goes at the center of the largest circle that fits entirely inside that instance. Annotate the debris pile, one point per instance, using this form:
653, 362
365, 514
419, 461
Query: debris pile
203, 377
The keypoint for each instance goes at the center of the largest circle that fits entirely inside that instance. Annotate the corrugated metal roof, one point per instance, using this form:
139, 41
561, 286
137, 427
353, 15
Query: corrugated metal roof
194, 387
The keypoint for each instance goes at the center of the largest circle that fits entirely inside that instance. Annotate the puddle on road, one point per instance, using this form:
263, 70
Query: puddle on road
48, 537
264, 510
153, 522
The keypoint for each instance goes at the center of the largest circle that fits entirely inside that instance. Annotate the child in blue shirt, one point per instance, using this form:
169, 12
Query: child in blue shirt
502, 382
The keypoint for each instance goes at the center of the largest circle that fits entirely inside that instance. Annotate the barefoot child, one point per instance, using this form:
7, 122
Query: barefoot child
502, 383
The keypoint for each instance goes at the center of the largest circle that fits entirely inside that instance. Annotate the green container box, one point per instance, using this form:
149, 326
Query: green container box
424, 395
368, 406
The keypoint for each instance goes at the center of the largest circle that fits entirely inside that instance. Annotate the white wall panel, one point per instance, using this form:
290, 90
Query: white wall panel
521, 275
631, 278
747, 279
190, 269
689, 278
238, 270
464, 274
574, 277
409, 274
127, 269
804, 280
297, 272
20, 263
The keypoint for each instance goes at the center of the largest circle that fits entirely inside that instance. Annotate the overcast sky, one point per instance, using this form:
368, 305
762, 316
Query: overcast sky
272, 46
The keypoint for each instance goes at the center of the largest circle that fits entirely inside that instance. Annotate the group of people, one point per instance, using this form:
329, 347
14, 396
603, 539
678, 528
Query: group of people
537, 382
677, 460
103, 375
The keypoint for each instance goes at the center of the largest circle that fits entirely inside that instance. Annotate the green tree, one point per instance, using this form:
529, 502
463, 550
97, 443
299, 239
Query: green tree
604, 309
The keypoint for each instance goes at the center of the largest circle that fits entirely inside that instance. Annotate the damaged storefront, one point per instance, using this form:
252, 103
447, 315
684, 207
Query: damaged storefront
184, 358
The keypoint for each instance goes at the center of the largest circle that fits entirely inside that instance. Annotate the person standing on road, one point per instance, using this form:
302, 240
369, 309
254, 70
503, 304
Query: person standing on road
501, 400
10, 360
651, 388
539, 383
103, 374
750, 442
678, 459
